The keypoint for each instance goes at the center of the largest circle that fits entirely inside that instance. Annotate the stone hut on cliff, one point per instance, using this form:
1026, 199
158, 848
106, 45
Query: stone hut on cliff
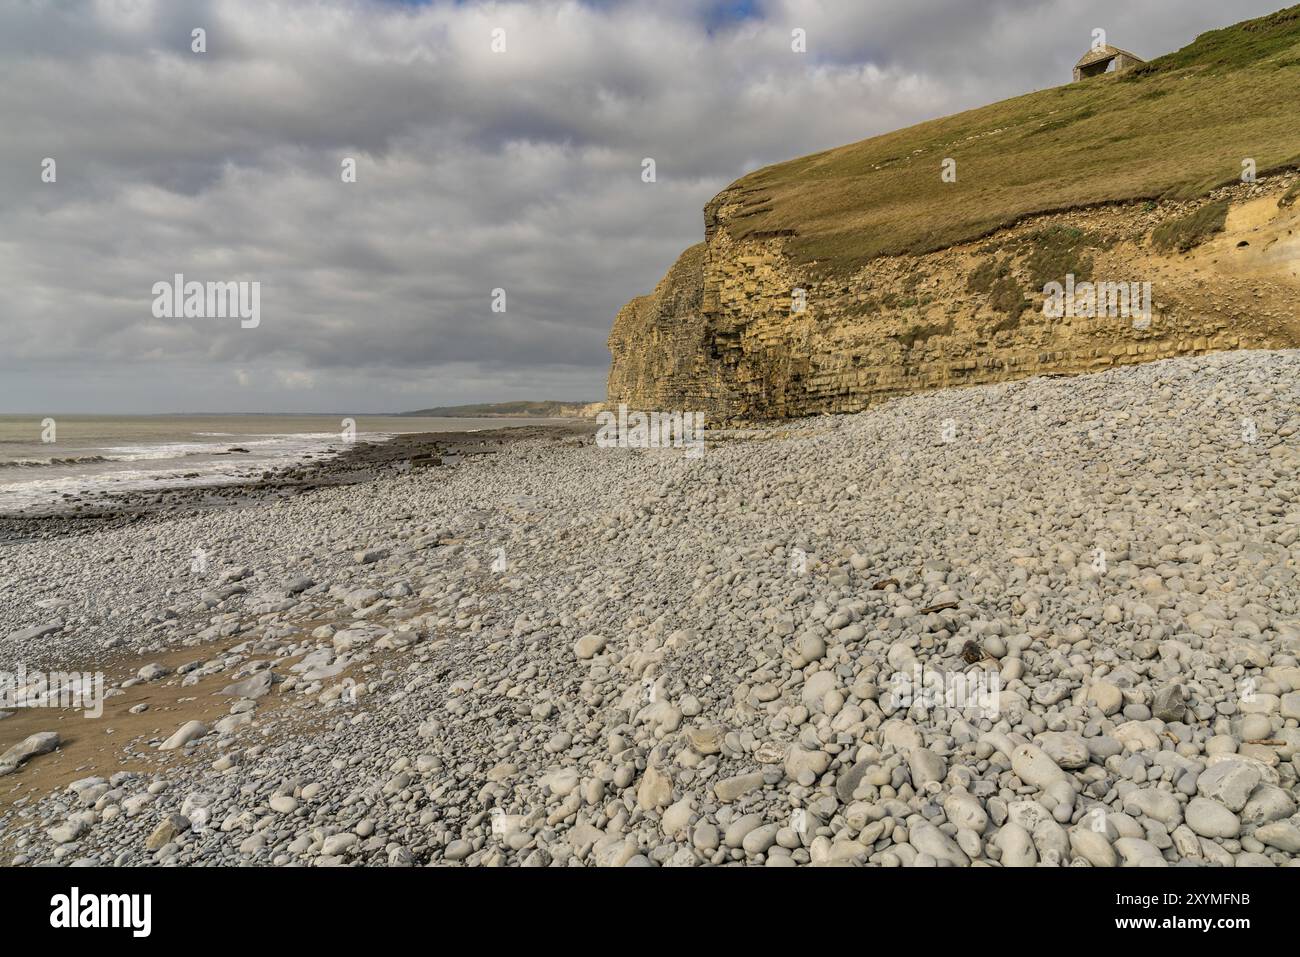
1099, 60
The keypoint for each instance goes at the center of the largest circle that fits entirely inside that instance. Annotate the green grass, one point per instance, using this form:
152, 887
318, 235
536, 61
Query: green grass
1188, 232
1007, 296
1046, 255
1243, 44
984, 276
1056, 252
1174, 128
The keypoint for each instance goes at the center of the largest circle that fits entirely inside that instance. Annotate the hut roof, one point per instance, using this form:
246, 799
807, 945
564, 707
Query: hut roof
1107, 52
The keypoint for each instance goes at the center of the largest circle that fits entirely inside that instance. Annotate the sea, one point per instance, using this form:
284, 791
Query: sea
44, 460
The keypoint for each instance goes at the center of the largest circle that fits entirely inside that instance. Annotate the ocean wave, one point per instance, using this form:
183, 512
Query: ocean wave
53, 461
143, 453
141, 456
39, 482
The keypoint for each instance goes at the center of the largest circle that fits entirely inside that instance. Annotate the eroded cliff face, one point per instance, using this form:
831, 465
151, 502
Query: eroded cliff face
723, 333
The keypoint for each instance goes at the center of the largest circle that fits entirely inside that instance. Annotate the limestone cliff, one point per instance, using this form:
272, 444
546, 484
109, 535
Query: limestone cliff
830, 282
720, 331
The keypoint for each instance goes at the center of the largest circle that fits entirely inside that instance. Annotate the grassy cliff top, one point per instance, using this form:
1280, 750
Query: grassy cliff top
1175, 127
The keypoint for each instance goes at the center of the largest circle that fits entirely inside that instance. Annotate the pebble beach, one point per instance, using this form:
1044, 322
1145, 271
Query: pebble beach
561, 655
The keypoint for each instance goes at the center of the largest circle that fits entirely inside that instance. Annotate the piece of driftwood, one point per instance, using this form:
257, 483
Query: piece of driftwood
939, 607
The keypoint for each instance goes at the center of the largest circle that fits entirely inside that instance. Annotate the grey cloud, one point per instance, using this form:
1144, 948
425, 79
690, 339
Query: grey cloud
476, 171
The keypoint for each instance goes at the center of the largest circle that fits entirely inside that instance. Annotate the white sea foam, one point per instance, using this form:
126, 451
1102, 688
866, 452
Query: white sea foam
107, 454
125, 468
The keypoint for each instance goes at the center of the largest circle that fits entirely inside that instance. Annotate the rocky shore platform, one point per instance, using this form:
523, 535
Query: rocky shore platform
1047, 622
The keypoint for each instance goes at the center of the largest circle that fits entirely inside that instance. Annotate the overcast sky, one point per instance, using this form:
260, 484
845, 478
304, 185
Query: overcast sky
476, 170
